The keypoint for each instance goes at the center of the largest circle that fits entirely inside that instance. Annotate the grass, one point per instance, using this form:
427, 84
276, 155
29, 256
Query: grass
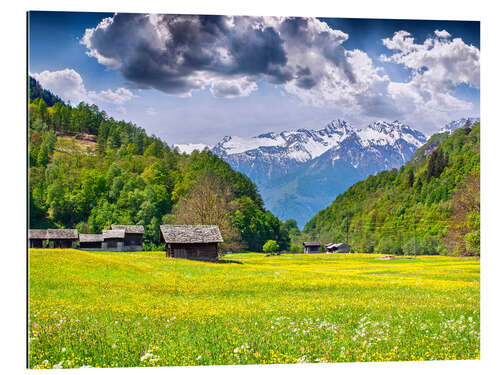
140, 309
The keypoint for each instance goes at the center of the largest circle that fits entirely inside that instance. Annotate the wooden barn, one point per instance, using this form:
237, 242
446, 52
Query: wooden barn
53, 238
312, 247
198, 242
133, 236
90, 241
337, 248
112, 240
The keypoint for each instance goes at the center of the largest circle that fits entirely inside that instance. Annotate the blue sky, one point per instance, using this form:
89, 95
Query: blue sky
195, 80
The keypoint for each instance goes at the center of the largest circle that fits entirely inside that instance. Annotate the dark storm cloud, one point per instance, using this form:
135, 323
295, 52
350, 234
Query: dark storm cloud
180, 53
177, 54
304, 78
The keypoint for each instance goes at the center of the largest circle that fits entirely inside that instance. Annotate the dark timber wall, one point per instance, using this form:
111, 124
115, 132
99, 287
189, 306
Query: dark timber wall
312, 249
61, 244
90, 245
133, 239
198, 251
37, 243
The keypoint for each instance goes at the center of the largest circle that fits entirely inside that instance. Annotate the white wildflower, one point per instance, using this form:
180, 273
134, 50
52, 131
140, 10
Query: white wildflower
302, 359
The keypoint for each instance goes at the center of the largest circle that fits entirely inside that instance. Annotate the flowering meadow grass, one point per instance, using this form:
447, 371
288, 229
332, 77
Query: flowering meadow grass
103, 309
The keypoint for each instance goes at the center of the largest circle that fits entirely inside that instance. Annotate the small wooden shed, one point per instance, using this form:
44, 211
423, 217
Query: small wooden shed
37, 238
198, 242
53, 238
337, 248
133, 236
112, 240
90, 241
312, 247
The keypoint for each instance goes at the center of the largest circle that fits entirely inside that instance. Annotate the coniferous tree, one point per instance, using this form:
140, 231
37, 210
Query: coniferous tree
411, 178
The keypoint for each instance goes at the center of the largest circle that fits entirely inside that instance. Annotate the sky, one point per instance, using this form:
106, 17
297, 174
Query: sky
196, 79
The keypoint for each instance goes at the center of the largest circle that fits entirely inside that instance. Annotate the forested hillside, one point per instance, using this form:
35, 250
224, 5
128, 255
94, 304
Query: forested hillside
432, 202
88, 171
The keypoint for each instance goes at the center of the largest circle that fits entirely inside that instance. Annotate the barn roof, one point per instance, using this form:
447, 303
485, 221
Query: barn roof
138, 229
336, 244
113, 233
53, 234
312, 243
90, 237
191, 233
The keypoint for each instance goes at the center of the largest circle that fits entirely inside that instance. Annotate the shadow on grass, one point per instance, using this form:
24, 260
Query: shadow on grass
216, 261
224, 261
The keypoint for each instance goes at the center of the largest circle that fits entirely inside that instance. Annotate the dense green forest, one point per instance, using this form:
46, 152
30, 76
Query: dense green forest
431, 204
88, 171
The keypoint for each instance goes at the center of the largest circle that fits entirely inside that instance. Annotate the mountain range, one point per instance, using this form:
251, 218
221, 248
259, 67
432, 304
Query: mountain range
300, 172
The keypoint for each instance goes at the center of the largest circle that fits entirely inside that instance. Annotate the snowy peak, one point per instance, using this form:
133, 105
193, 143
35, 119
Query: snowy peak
230, 145
383, 133
338, 127
300, 145
454, 125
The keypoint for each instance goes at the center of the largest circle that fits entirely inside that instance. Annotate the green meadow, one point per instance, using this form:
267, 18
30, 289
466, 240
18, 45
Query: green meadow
98, 309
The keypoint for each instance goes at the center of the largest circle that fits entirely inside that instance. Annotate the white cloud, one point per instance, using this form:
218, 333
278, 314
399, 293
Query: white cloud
119, 97
233, 88
438, 66
69, 86
442, 33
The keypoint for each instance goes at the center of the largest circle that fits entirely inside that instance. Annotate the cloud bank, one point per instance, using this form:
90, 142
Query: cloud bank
69, 85
178, 54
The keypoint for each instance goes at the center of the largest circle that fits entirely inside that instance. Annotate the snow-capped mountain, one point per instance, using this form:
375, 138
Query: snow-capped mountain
455, 124
300, 145
300, 172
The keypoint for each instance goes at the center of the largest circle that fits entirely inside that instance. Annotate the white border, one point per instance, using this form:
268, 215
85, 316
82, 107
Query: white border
13, 158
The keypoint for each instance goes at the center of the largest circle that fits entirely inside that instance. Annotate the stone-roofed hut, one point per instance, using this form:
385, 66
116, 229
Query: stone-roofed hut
90, 241
133, 236
198, 242
53, 238
112, 240
337, 248
312, 247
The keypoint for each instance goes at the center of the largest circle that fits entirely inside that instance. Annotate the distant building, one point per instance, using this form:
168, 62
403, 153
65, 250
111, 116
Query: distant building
198, 242
133, 236
113, 240
312, 247
337, 248
53, 238
90, 241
